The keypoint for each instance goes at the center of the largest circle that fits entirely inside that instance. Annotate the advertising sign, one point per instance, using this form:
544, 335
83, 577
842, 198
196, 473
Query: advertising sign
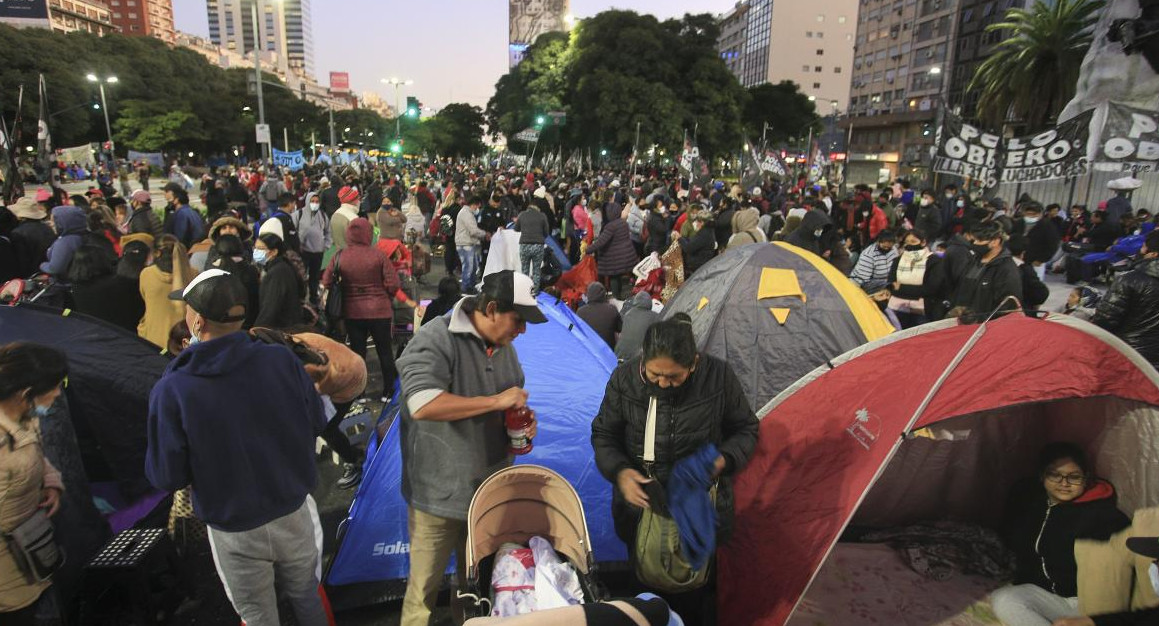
340, 82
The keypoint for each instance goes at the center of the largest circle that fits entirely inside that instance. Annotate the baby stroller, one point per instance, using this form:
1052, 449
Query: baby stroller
514, 505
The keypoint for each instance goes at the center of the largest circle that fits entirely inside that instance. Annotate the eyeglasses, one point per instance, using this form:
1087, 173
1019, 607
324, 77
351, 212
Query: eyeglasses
1070, 479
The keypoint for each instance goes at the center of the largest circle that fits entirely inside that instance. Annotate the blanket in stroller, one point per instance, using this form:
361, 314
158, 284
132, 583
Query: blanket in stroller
530, 579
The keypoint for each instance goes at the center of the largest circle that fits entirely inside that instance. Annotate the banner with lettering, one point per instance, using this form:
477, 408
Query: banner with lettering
1129, 139
293, 160
156, 159
1059, 152
81, 155
967, 151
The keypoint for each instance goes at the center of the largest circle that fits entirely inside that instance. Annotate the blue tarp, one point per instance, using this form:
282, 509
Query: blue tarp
567, 368
564, 263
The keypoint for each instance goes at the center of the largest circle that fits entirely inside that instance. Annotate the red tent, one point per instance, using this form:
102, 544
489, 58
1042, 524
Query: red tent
938, 421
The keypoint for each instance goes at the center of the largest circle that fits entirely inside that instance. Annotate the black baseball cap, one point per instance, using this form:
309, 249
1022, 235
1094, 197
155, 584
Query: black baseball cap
1144, 546
216, 295
515, 289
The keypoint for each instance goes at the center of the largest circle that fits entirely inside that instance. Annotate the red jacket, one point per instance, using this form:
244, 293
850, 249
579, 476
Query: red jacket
369, 279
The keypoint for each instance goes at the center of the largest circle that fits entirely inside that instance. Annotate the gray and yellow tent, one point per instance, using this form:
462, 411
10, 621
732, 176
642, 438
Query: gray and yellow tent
775, 312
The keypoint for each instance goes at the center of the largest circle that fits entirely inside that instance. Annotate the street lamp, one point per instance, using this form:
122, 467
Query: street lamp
397, 112
112, 80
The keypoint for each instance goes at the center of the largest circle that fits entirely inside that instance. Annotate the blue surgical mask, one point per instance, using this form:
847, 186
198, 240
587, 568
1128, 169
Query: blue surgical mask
260, 256
40, 411
1030, 221
194, 336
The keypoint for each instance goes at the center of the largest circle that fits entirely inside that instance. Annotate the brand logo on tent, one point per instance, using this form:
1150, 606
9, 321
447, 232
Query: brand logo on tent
391, 549
865, 428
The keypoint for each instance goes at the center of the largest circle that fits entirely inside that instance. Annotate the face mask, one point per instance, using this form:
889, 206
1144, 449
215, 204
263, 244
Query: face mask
314, 206
260, 256
1154, 572
927, 201
1030, 221
999, 213
817, 233
949, 196
661, 393
980, 249
915, 248
40, 411
961, 203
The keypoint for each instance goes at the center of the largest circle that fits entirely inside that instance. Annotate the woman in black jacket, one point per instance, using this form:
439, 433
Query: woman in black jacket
658, 228
1043, 518
701, 247
98, 290
282, 290
699, 400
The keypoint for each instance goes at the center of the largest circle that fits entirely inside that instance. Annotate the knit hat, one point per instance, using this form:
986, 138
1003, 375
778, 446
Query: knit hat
272, 226
541, 193
28, 209
141, 195
596, 292
348, 195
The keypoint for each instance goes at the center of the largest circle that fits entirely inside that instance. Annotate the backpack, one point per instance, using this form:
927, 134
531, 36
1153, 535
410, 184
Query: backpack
270, 190
446, 226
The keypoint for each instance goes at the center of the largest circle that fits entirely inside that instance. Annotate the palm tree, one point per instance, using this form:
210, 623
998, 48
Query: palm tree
1031, 75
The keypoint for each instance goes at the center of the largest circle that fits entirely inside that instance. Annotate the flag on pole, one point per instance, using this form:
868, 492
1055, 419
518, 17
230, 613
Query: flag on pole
693, 166
772, 164
44, 153
750, 169
817, 164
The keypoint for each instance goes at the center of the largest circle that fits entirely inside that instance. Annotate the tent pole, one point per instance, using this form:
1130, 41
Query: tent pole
969, 345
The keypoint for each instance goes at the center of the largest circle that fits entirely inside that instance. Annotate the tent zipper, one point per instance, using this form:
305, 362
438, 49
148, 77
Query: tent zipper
1038, 551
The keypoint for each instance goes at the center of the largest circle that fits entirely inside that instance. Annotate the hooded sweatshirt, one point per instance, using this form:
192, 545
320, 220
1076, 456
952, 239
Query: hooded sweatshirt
236, 419
638, 316
70, 225
369, 278
615, 254
812, 228
601, 315
745, 229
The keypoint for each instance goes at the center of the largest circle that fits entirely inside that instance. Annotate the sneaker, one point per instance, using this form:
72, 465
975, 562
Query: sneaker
351, 476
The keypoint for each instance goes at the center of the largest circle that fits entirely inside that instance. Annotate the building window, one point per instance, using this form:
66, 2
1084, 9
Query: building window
816, 85
820, 35
818, 69
837, 70
808, 34
132, 16
116, 15
820, 52
805, 68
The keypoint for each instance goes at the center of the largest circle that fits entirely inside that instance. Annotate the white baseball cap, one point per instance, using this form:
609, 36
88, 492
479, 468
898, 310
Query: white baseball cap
514, 289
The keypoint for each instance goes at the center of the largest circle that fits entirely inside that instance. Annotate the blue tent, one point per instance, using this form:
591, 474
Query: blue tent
567, 367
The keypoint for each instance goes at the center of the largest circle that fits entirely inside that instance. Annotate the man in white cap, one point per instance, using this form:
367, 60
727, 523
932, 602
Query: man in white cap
458, 375
237, 420
31, 238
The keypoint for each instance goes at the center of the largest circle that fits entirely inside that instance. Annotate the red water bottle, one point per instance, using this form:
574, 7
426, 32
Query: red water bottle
518, 423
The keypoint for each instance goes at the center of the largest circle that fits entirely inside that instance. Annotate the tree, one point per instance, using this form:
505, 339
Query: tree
532, 88
152, 126
458, 130
782, 106
1031, 75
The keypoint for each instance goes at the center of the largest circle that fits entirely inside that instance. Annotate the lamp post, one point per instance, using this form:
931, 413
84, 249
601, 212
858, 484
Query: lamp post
397, 111
258, 72
112, 80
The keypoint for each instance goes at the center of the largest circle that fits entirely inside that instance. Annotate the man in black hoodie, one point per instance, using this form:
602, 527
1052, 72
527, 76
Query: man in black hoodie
991, 278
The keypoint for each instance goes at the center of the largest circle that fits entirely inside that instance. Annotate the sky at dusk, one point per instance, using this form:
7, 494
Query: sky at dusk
454, 50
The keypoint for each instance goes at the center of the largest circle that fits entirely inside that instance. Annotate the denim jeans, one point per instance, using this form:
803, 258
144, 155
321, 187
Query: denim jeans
531, 262
469, 257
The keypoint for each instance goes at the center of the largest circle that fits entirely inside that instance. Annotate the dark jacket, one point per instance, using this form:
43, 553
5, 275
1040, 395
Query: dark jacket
1034, 291
369, 279
698, 250
533, 227
30, 242
330, 201
932, 290
985, 286
280, 295
958, 260
1130, 309
236, 419
114, 299
657, 234
723, 227
710, 407
1042, 242
615, 254
492, 218
601, 315
1101, 236
1142, 617
289, 229
806, 235
187, 226
144, 220
1042, 536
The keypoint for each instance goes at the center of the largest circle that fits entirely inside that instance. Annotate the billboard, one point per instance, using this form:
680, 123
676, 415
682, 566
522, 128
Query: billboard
528, 19
340, 82
26, 9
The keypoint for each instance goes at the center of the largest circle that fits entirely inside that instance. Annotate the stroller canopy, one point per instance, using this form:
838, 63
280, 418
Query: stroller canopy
567, 367
939, 421
774, 312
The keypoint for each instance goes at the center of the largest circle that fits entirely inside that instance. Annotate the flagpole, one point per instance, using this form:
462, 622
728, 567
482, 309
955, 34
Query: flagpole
635, 150
809, 153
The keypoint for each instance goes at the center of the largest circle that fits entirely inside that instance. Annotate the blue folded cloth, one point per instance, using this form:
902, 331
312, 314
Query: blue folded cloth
691, 507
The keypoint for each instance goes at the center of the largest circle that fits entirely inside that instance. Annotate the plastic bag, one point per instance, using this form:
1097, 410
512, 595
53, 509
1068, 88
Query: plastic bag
556, 583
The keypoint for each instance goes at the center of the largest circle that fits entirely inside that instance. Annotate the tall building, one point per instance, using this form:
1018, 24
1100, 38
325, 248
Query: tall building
974, 44
285, 27
528, 19
62, 16
145, 18
809, 43
902, 61
733, 26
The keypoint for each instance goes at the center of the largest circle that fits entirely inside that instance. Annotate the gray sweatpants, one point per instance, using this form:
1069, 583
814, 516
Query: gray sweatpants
282, 558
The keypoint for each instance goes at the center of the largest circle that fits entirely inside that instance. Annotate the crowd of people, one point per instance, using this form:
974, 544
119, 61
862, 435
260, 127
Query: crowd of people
327, 257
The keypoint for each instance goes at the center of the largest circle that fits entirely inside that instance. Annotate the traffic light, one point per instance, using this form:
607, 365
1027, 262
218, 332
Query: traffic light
927, 129
412, 106
540, 120
396, 147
